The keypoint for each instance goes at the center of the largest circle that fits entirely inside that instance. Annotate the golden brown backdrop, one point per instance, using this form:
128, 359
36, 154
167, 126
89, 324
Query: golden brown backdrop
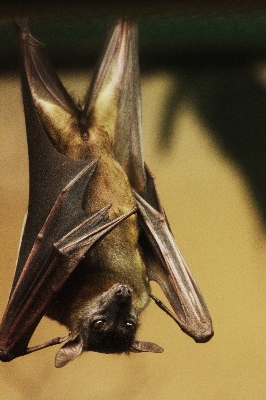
216, 227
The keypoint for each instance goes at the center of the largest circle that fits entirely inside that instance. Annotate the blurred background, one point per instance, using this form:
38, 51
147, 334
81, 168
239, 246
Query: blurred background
204, 134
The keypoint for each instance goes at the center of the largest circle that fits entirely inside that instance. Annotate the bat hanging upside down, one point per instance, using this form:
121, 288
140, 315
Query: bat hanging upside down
96, 232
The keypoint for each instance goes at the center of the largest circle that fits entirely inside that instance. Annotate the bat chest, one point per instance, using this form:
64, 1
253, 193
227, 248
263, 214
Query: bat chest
117, 256
114, 259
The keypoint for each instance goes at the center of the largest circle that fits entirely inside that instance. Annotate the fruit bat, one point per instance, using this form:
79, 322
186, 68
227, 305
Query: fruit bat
96, 233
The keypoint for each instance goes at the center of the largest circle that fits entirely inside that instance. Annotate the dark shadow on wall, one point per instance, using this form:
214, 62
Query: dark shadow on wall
212, 58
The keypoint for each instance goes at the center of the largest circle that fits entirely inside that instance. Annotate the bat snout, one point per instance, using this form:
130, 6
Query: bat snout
123, 293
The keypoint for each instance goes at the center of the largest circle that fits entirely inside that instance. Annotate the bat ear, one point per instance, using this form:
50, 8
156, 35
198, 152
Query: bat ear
69, 352
138, 347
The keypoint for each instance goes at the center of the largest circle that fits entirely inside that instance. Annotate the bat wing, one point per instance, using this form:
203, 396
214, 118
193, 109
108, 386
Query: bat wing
60, 245
57, 233
50, 171
115, 92
166, 266
118, 80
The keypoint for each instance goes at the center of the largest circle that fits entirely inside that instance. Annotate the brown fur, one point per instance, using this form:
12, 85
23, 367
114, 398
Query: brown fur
115, 259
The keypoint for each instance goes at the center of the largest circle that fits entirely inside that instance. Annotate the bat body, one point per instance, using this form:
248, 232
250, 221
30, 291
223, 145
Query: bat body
96, 233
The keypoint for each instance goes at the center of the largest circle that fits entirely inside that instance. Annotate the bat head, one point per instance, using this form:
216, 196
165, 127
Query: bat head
107, 325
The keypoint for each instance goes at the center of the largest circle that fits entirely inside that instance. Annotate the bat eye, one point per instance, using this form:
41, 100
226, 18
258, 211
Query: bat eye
98, 325
130, 327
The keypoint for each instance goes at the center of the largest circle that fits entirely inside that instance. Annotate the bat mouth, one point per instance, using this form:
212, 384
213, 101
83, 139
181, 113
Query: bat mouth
114, 341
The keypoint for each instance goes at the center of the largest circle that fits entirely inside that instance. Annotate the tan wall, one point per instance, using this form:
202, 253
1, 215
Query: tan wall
216, 227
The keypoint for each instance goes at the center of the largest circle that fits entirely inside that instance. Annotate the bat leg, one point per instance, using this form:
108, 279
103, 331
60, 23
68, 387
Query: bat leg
6, 357
52, 342
163, 307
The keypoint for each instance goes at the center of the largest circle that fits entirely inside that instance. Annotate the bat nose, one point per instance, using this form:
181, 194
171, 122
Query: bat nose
123, 292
